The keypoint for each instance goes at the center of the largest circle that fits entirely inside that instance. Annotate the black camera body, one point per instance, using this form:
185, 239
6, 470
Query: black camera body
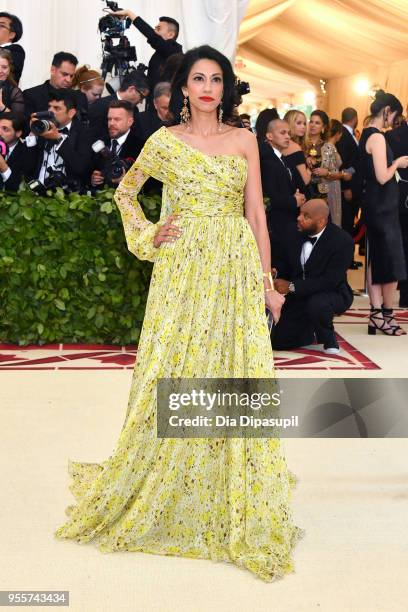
114, 166
43, 122
55, 178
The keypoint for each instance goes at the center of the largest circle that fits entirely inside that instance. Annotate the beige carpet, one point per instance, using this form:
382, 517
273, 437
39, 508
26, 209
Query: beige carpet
352, 499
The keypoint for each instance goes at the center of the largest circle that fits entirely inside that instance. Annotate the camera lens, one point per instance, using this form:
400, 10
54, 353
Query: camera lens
40, 126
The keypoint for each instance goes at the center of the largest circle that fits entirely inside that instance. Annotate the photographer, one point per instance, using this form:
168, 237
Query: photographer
60, 144
163, 38
62, 74
154, 118
12, 163
134, 88
11, 30
122, 144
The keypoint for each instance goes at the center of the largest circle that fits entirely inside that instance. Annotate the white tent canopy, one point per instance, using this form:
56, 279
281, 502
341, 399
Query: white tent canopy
352, 45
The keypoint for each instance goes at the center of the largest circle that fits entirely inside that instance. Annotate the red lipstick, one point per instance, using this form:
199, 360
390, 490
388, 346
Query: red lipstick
206, 99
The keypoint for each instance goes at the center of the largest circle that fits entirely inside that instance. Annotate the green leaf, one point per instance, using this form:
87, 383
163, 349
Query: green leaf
59, 304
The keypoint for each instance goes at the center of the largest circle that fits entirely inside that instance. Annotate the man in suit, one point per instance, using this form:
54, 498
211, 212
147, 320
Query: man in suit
398, 141
121, 142
347, 148
65, 147
12, 165
313, 276
163, 39
11, 30
154, 118
133, 89
278, 187
62, 72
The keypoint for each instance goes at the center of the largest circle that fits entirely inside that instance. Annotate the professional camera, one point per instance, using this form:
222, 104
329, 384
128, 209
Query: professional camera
242, 87
114, 166
116, 57
55, 178
43, 122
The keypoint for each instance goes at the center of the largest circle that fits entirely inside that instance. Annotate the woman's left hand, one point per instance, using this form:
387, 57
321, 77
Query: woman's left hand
274, 302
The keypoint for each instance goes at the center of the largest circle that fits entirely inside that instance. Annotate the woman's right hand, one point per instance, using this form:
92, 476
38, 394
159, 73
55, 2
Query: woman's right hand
167, 232
402, 162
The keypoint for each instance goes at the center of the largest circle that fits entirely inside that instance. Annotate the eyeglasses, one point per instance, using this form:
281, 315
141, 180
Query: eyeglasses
141, 94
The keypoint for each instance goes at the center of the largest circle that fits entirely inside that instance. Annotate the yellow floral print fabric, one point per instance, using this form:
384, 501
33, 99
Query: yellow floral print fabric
224, 499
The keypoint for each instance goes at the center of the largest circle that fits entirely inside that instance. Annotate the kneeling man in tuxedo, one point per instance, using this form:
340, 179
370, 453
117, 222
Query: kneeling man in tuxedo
313, 276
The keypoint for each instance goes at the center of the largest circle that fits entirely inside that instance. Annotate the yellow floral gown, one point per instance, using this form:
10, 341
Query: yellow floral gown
225, 499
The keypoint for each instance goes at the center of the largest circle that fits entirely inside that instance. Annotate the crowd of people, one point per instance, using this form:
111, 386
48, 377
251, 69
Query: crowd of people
317, 176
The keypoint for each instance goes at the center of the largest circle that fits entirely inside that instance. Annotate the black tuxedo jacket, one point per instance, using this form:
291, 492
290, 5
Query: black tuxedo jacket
36, 99
76, 152
146, 124
348, 151
326, 268
278, 187
398, 141
98, 115
17, 162
18, 55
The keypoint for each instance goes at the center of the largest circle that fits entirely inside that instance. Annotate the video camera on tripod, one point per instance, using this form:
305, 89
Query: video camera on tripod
116, 57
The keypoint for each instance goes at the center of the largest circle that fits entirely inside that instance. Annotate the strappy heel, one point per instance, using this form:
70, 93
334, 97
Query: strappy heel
376, 315
388, 316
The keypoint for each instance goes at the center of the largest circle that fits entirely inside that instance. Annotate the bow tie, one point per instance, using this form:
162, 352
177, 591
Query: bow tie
64, 130
311, 239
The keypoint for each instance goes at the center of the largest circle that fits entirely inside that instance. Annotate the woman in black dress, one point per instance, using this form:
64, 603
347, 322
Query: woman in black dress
380, 213
295, 153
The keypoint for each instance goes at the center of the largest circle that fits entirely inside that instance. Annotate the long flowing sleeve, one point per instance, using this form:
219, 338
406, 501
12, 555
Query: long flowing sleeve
139, 231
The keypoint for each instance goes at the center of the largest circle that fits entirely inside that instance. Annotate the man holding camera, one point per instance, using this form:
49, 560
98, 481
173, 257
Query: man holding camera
134, 88
163, 39
58, 144
12, 155
62, 72
11, 30
121, 148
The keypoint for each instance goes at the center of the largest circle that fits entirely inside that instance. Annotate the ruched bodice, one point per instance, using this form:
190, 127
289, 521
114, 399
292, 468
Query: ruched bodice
197, 184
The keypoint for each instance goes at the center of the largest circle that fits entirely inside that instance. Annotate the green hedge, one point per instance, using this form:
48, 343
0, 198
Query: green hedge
65, 272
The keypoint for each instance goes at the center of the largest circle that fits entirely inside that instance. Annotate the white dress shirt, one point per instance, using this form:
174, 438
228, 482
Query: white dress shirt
308, 248
120, 142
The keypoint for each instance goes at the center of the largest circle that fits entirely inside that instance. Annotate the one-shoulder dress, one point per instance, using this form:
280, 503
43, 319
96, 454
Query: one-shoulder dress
225, 499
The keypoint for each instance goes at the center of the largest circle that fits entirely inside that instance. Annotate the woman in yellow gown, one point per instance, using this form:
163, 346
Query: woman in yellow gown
225, 499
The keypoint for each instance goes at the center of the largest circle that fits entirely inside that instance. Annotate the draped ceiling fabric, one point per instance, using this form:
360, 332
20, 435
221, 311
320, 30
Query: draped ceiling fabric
343, 42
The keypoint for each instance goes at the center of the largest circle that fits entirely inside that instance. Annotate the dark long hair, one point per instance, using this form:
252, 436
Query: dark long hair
382, 100
184, 69
324, 117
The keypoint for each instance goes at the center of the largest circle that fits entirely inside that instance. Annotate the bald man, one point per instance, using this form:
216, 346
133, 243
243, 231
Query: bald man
313, 276
279, 187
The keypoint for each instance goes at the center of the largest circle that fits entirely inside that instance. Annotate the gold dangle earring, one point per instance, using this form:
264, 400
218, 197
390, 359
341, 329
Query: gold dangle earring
220, 114
185, 113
